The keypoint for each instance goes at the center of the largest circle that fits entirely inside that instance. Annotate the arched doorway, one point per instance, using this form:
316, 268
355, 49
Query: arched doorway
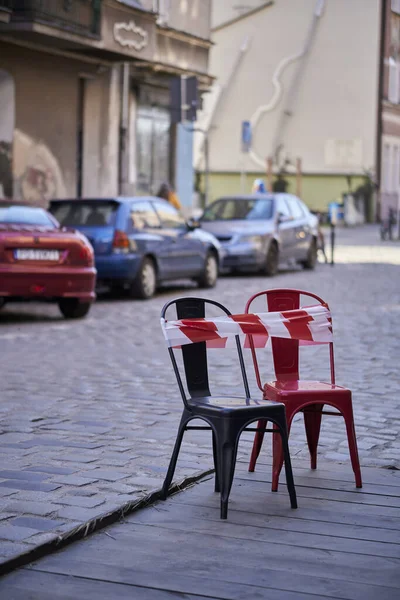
7, 124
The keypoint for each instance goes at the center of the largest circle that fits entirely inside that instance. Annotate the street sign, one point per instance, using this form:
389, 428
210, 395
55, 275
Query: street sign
246, 136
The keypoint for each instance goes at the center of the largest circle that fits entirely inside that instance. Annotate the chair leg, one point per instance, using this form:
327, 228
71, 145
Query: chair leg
227, 470
288, 465
312, 422
174, 457
352, 440
216, 465
277, 452
258, 440
227, 443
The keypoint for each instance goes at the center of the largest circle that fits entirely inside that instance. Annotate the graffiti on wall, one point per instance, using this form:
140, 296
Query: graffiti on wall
37, 173
29, 170
7, 118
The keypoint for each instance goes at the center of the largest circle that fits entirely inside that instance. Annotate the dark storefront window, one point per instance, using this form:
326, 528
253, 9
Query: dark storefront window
153, 148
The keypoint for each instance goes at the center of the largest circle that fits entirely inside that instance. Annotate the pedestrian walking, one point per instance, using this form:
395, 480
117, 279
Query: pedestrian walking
167, 193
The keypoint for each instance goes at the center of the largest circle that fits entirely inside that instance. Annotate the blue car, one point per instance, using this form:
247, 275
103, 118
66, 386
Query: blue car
139, 242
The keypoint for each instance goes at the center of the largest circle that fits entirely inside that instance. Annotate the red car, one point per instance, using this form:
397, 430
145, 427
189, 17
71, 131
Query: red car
41, 260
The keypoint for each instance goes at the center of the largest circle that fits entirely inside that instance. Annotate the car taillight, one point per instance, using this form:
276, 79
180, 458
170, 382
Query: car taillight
85, 256
121, 243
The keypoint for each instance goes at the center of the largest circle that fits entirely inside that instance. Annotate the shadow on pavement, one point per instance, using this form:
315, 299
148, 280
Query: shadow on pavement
19, 313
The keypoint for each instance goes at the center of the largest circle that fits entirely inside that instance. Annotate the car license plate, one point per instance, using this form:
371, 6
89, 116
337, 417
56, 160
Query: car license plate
31, 254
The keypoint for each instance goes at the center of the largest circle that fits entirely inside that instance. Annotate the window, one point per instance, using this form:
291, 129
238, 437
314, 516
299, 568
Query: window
169, 216
295, 207
25, 215
144, 216
249, 209
152, 147
81, 214
283, 208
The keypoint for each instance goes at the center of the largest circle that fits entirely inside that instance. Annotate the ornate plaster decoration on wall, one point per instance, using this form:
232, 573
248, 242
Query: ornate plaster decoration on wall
130, 35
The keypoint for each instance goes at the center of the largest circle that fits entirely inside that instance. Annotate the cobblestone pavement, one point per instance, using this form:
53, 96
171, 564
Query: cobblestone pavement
89, 409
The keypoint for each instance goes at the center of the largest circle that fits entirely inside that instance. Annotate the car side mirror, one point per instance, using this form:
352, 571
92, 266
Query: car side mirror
283, 218
193, 224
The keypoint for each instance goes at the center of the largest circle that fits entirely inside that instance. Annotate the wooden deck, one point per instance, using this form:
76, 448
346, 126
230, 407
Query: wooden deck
340, 543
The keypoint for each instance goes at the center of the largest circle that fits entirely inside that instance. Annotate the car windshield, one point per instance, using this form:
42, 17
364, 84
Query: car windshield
26, 215
249, 209
80, 214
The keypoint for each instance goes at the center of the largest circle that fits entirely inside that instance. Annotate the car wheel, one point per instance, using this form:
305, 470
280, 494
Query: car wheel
271, 261
2, 302
311, 256
209, 276
71, 308
145, 284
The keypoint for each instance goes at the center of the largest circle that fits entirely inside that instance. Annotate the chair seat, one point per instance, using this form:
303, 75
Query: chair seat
278, 390
227, 404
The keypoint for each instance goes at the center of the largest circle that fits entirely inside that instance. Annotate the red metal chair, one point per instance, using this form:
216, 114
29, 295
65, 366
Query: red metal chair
298, 395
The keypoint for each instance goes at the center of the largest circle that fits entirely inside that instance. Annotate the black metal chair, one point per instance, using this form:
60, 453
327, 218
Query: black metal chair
227, 416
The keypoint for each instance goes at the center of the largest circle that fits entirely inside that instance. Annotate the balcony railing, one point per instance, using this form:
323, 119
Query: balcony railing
77, 16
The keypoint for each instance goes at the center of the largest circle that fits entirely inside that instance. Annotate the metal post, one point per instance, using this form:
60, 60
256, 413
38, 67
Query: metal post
298, 177
269, 174
333, 224
206, 160
206, 168
243, 175
332, 243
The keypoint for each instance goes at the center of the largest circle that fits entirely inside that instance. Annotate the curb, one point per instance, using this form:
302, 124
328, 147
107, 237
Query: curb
96, 524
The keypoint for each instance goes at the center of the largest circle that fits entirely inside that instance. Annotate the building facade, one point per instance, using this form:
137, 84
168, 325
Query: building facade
389, 150
84, 94
305, 74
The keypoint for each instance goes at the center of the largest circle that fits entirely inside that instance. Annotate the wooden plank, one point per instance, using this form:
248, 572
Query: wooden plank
371, 490
165, 513
265, 506
356, 496
215, 554
265, 500
35, 585
264, 584
345, 476
254, 533
331, 470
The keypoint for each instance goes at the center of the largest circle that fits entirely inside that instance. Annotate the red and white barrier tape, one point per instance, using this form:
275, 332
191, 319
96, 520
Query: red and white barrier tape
311, 325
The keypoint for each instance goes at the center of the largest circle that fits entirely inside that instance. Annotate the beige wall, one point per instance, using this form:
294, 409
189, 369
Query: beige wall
45, 135
333, 125
226, 10
101, 129
191, 16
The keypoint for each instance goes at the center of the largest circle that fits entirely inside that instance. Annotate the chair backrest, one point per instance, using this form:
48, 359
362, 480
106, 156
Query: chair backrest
195, 355
285, 352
